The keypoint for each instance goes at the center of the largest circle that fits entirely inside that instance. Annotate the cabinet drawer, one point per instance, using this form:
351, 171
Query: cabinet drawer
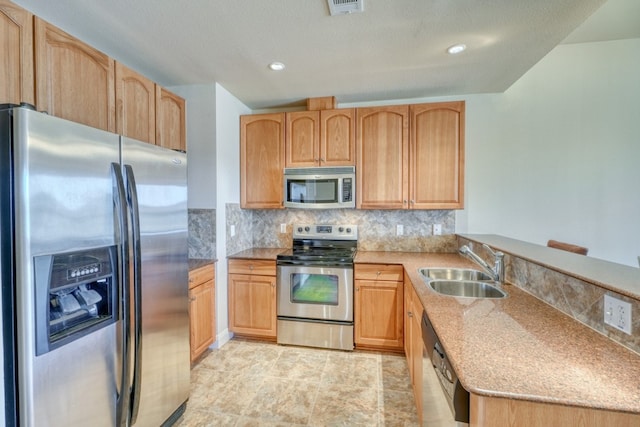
201, 275
252, 266
391, 272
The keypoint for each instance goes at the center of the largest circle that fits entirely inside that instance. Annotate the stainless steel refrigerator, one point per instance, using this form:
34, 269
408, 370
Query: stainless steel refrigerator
93, 261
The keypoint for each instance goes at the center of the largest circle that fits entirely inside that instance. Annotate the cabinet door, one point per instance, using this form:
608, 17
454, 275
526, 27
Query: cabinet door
416, 350
73, 80
379, 314
437, 155
302, 139
261, 161
16, 49
382, 156
252, 305
338, 137
135, 105
170, 120
201, 309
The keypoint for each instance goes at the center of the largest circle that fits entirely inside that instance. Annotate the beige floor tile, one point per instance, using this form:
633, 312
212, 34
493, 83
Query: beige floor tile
249, 383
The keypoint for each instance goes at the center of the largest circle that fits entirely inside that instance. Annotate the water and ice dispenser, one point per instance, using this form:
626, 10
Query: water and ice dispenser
76, 294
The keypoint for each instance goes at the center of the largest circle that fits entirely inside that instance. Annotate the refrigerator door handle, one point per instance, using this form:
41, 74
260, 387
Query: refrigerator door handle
122, 236
132, 202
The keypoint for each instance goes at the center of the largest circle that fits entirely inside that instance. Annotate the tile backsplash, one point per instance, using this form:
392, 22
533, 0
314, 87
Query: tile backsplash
202, 233
376, 228
582, 300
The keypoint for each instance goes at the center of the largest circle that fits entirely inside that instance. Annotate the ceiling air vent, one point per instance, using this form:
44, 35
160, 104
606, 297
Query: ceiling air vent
343, 7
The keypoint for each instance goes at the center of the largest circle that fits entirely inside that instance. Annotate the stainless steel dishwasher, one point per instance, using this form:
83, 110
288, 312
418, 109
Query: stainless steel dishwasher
445, 403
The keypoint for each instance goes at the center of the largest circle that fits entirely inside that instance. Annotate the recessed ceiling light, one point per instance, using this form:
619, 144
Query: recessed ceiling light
457, 48
276, 66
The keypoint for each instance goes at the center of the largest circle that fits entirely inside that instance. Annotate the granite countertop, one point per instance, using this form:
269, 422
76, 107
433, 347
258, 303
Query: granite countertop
520, 347
258, 253
195, 263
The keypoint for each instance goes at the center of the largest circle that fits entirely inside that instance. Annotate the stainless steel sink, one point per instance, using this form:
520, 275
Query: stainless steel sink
466, 288
436, 273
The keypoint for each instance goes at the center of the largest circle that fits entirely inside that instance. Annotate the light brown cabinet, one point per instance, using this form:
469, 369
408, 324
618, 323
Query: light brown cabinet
320, 138
252, 298
202, 309
382, 147
73, 80
170, 120
436, 155
135, 105
379, 306
262, 160
413, 342
411, 156
16, 50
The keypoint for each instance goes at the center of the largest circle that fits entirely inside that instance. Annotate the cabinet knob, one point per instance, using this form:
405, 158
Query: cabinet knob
378, 273
251, 267
413, 202
192, 298
410, 314
404, 202
357, 289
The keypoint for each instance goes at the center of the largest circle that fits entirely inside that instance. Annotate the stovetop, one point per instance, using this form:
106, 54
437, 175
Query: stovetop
322, 244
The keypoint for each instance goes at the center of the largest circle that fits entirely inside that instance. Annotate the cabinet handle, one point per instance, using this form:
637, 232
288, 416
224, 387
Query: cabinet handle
192, 298
357, 289
410, 314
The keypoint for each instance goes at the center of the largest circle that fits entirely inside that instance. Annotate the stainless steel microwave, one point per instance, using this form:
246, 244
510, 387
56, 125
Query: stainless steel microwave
320, 188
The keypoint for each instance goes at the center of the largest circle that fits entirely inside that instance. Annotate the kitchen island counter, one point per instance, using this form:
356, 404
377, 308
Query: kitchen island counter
520, 347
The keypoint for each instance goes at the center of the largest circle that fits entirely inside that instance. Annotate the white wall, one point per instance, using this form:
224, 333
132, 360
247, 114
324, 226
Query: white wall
201, 143
556, 156
228, 111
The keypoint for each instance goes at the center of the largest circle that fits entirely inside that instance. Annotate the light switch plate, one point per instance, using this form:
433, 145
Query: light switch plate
617, 313
437, 229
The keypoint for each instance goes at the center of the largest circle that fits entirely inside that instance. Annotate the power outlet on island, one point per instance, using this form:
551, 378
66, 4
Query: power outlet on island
437, 229
617, 313
399, 230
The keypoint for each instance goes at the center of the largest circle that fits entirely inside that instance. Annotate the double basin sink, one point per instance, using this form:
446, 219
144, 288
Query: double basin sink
461, 282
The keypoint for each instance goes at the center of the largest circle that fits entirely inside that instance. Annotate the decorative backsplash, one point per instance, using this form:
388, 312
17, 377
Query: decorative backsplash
376, 228
202, 233
577, 298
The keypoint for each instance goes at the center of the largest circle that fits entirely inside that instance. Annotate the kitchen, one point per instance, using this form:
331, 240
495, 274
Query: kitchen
546, 105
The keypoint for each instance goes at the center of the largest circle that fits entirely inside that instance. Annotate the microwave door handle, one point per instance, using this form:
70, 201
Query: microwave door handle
122, 236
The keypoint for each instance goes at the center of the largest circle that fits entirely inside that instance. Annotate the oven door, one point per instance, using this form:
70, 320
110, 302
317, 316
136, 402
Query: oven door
315, 292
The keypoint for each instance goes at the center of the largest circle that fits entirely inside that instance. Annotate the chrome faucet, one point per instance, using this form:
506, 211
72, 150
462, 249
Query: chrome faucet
497, 271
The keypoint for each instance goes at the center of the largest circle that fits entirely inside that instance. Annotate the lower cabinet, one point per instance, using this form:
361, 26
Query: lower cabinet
378, 306
413, 341
201, 309
252, 298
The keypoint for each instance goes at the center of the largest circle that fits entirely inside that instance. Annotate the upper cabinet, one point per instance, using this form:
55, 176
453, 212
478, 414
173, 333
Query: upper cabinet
16, 49
411, 156
135, 105
170, 120
73, 80
262, 160
338, 137
320, 138
62, 76
302, 139
382, 147
436, 155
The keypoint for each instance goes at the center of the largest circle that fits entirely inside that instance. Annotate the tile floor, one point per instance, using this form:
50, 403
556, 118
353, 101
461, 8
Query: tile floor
248, 383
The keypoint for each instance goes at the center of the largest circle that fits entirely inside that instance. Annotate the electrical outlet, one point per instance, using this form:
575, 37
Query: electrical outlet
437, 229
232, 231
283, 228
617, 313
399, 230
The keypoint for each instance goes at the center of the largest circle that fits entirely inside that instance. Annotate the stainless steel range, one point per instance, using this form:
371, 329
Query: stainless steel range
315, 287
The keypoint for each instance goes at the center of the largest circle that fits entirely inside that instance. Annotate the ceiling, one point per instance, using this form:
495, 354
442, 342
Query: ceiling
393, 50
